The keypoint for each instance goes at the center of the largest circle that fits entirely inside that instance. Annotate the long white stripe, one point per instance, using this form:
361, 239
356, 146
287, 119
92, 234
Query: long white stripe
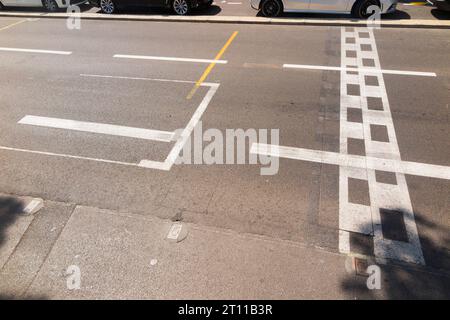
369, 70
36, 51
203, 84
101, 128
127, 56
346, 160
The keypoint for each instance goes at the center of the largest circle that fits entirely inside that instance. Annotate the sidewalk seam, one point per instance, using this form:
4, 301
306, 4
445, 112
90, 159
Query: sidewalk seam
24, 292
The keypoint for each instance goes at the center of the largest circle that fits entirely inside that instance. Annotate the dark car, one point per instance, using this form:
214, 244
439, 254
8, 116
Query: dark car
180, 7
443, 5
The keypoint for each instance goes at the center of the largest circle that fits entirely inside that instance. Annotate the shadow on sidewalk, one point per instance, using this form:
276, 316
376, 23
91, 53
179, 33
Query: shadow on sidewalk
10, 209
408, 281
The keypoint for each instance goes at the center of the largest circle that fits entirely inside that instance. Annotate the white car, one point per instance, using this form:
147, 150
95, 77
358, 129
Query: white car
49, 5
358, 8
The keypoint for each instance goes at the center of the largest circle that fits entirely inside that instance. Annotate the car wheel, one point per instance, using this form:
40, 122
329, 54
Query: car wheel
107, 6
1, 6
50, 5
271, 8
360, 8
181, 7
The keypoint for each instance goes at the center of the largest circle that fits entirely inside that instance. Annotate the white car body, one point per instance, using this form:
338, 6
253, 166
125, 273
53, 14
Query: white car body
325, 6
38, 3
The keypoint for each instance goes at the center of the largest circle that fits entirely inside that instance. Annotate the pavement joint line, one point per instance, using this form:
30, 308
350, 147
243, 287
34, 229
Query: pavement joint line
416, 23
175, 59
100, 128
36, 51
211, 65
366, 70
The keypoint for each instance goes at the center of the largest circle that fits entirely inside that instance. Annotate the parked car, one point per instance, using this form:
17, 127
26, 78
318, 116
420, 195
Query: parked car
180, 7
49, 5
443, 5
358, 8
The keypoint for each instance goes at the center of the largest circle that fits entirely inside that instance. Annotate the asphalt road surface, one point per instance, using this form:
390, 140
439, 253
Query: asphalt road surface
141, 75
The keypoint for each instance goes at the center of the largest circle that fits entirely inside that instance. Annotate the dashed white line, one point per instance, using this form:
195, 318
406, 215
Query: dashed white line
175, 59
35, 51
367, 70
101, 128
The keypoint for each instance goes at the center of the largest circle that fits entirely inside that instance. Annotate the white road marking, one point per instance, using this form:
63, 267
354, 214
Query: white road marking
360, 69
35, 51
132, 78
184, 136
171, 158
127, 56
366, 219
63, 155
101, 128
353, 161
234, 3
205, 84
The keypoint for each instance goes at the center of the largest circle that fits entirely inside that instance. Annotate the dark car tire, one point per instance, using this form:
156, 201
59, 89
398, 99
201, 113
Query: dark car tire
107, 6
181, 7
50, 5
1, 6
359, 9
271, 8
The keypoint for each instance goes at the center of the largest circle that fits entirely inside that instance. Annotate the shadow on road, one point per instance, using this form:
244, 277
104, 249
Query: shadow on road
440, 14
10, 209
83, 8
397, 15
408, 281
211, 11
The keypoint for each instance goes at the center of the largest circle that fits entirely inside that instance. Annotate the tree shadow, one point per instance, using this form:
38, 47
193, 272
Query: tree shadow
10, 209
400, 280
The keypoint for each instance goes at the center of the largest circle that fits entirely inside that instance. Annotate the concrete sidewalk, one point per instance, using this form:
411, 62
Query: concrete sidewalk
124, 256
412, 23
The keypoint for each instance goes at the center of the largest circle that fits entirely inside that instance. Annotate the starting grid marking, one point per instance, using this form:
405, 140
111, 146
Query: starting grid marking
140, 133
360, 218
362, 80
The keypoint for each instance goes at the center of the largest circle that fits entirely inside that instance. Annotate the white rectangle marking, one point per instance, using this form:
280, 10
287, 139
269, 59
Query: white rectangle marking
101, 128
36, 51
127, 56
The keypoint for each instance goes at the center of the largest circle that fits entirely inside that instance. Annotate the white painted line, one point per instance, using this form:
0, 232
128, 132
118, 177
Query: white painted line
63, 155
368, 70
184, 136
205, 84
347, 160
127, 56
35, 51
234, 3
133, 78
101, 128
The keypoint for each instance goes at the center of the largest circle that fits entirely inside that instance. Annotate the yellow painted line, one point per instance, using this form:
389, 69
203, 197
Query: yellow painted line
211, 65
12, 25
